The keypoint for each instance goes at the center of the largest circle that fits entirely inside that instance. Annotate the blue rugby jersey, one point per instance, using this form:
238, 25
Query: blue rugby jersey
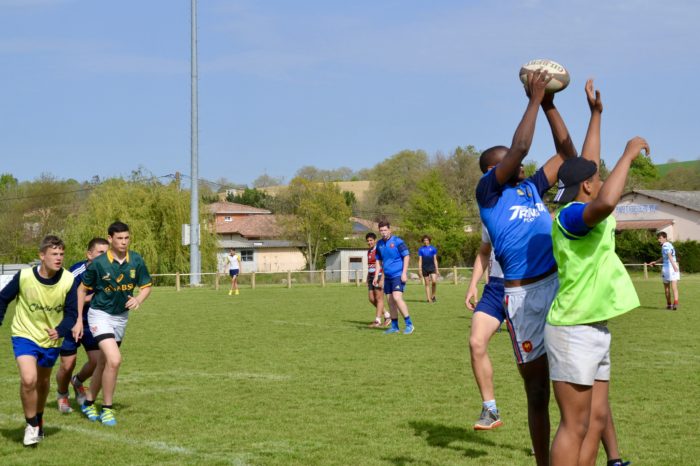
391, 252
665, 249
427, 252
518, 223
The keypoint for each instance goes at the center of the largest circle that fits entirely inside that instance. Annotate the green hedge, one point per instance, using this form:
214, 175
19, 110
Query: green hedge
637, 246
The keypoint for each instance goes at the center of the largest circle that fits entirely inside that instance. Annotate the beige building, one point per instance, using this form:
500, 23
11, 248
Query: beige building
257, 237
675, 212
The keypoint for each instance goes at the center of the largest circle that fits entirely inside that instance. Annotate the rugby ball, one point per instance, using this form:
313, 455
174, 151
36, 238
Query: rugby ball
560, 77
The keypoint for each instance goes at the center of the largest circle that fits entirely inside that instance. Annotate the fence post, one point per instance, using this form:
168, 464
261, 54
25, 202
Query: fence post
252, 280
454, 273
289, 278
646, 272
323, 278
216, 280
177, 281
357, 279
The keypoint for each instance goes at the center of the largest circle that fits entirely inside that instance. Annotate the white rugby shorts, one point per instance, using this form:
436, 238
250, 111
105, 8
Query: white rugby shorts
526, 313
103, 324
578, 354
669, 275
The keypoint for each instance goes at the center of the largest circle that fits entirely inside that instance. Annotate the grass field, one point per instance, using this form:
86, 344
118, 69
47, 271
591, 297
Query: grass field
281, 376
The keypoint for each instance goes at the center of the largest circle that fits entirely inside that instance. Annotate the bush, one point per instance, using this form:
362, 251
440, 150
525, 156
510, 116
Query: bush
637, 246
688, 255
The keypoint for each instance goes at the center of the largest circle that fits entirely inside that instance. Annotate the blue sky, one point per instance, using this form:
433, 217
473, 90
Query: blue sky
101, 88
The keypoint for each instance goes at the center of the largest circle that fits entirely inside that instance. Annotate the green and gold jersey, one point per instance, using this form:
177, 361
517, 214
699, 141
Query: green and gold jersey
41, 305
593, 284
113, 282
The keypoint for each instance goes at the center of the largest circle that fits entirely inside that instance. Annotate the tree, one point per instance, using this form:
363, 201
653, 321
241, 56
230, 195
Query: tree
393, 182
320, 217
432, 211
642, 175
265, 181
254, 198
460, 172
681, 179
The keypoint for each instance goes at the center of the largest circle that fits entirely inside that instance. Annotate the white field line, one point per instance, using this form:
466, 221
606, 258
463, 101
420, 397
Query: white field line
239, 459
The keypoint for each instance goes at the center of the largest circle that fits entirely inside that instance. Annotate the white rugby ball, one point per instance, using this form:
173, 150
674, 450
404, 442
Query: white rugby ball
560, 77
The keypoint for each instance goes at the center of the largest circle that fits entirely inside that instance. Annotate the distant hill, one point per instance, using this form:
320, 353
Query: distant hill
664, 168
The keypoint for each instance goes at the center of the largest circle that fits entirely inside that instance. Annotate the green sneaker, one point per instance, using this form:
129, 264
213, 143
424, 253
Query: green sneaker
90, 412
107, 417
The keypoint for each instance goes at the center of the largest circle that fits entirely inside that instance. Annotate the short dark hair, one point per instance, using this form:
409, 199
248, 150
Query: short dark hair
370, 235
117, 227
384, 223
51, 241
662, 234
95, 241
488, 157
426, 237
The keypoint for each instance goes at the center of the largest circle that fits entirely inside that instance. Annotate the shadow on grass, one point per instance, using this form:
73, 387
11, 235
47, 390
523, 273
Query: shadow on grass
455, 438
406, 461
17, 434
363, 325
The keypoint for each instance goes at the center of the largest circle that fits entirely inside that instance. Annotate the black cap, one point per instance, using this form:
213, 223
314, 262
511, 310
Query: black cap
571, 174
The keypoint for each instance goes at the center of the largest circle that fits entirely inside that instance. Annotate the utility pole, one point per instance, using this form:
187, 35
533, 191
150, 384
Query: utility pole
195, 263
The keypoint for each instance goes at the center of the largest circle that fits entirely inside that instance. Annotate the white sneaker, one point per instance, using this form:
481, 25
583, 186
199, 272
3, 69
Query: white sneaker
64, 404
80, 390
31, 435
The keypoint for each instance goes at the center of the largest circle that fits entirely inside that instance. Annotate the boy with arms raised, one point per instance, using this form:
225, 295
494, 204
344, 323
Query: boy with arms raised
594, 287
113, 277
69, 348
44, 314
520, 226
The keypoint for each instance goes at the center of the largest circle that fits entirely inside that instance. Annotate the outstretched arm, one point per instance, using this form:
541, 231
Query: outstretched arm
562, 140
591, 145
522, 139
609, 195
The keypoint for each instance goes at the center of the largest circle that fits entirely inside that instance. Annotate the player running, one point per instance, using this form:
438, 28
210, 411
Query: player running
670, 270
69, 348
234, 268
392, 258
428, 265
376, 295
594, 287
113, 277
486, 320
44, 314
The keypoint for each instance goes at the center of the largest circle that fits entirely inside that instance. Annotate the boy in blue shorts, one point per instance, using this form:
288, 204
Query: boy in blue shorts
45, 313
428, 265
486, 320
594, 287
69, 349
392, 258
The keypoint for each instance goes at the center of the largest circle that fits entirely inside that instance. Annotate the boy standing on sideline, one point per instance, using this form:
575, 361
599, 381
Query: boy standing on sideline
234, 267
670, 272
69, 348
428, 265
392, 258
113, 277
44, 314
376, 294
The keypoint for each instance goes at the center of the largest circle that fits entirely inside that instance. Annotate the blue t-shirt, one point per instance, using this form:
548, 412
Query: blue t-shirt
427, 252
518, 223
391, 252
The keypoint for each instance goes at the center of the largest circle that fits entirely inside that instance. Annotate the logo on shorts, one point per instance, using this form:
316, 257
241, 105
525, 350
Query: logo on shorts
93, 329
397, 287
527, 346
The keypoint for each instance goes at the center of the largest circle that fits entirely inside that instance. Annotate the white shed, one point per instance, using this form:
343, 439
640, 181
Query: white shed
344, 264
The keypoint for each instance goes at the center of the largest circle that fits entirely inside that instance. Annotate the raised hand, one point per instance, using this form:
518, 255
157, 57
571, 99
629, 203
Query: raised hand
536, 83
635, 146
593, 97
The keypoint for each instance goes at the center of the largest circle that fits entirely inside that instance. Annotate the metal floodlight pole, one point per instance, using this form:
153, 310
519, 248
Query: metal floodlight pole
195, 263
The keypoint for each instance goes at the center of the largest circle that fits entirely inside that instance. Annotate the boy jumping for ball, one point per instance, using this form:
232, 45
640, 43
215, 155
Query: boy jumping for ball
113, 277
593, 288
44, 314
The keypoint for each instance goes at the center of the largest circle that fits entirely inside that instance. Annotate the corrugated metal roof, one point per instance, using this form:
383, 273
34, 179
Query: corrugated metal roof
688, 199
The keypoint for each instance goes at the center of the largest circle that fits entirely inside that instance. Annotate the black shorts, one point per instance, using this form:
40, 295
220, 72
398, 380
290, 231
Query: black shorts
370, 279
429, 270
